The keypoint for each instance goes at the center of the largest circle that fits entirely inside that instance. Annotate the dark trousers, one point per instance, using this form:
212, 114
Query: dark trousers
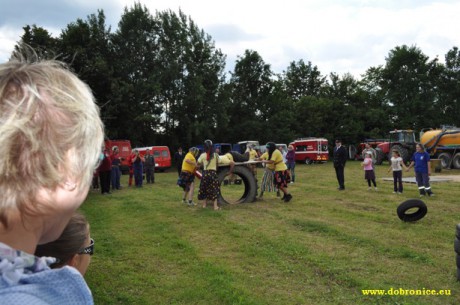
150, 174
397, 181
138, 171
291, 168
373, 182
116, 174
179, 169
423, 182
105, 181
339, 172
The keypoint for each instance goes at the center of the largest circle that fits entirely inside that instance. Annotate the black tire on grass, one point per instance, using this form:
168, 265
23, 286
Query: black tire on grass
410, 204
380, 156
457, 260
458, 274
249, 181
457, 245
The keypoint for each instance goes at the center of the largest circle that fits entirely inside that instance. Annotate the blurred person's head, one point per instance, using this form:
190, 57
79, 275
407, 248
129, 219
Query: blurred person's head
73, 248
50, 140
194, 151
338, 142
419, 147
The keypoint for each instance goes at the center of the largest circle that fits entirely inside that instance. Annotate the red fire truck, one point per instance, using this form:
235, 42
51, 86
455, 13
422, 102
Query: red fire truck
161, 154
309, 150
124, 147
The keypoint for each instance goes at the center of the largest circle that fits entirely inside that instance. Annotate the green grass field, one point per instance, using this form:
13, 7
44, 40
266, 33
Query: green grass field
324, 247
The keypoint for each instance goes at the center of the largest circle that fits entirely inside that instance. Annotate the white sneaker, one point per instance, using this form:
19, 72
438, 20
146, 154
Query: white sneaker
376, 189
395, 192
369, 188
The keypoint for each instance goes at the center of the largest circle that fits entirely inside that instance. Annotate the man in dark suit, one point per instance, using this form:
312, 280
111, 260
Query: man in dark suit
340, 158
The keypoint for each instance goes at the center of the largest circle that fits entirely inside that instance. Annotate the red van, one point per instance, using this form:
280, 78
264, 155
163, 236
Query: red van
124, 147
309, 150
161, 154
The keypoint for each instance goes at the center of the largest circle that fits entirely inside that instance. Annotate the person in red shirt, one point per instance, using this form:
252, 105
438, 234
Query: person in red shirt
130, 160
116, 172
104, 170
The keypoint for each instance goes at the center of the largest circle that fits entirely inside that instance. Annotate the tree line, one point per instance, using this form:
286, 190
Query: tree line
160, 80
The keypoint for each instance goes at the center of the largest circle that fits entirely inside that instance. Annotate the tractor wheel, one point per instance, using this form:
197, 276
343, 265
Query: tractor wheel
352, 152
380, 156
403, 152
250, 184
445, 159
456, 161
457, 231
308, 161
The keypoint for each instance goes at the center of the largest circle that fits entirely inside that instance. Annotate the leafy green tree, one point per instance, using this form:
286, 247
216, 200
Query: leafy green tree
252, 86
409, 82
449, 87
136, 114
303, 79
85, 45
39, 40
191, 77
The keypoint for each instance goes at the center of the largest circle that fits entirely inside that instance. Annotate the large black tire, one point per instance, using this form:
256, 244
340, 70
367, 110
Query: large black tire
380, 156
457, 245
403, 152
446, 159
457, 260
456, 161
457, 231
250, 184
458, 274
410, 204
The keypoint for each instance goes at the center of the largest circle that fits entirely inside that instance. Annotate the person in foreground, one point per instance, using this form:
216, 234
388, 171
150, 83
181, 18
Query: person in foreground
51, 135
73, 248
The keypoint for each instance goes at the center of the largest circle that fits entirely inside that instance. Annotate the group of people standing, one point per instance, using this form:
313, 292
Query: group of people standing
109, 171
420, 160
276, 174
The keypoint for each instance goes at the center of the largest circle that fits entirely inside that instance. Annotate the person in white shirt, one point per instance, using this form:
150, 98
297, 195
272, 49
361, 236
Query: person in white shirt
397, 164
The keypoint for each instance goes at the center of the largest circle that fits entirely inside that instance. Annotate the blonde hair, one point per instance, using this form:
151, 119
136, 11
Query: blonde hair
50, 132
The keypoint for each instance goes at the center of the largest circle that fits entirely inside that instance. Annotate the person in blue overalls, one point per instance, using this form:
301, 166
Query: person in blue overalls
422, 165
138, 168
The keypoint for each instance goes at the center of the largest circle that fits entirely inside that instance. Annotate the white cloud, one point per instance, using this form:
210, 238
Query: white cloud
337, 36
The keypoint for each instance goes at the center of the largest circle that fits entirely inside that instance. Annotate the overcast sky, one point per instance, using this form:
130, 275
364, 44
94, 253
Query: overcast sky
337, 36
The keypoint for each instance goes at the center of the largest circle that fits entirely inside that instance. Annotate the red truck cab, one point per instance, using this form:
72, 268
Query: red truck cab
124, 147
161, 154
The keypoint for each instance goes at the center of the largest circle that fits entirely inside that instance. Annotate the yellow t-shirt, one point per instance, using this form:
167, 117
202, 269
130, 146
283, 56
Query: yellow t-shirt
277, 156
265, 157
186, 166
226, 159
252, 154
211, 165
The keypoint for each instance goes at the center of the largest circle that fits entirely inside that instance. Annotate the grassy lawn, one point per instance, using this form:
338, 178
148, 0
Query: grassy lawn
323, 247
